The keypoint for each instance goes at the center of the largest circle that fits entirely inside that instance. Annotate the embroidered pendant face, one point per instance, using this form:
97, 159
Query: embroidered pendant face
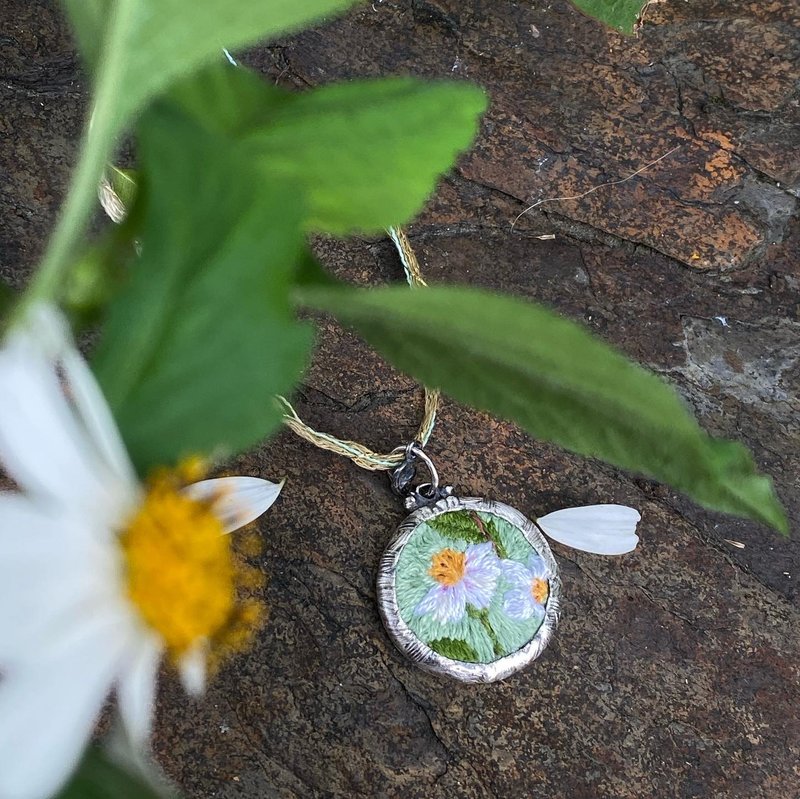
470, 589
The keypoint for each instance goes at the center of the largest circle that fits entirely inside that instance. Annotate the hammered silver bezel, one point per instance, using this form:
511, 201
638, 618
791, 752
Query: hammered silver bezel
421, 654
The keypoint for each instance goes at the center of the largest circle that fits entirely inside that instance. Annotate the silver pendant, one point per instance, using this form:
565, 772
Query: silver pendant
468, 588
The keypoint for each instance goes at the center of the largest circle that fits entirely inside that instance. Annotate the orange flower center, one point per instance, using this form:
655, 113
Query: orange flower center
447, 566
540, 590
182, 573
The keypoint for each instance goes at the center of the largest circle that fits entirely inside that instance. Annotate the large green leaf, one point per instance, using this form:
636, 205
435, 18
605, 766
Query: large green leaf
98, 777
202, 336
529, 365
161, 40
136, 48
621, 15
368, 153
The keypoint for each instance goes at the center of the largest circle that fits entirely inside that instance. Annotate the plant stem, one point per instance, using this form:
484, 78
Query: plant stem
98, 139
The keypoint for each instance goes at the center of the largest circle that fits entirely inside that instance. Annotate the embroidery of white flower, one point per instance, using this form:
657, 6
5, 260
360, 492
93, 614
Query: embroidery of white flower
460, 579
70, 628
529, 587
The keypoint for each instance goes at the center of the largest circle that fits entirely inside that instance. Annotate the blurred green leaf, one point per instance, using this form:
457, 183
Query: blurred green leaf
136, 48
123, 183
164, 39
7, 298
93, 279
203, 336
368, 153
98, 777
622, 15
561, 384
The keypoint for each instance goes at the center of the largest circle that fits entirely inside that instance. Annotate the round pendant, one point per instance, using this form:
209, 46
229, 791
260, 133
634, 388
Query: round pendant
469, 588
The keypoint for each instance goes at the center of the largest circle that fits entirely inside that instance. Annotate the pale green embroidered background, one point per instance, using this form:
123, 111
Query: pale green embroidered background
471, 586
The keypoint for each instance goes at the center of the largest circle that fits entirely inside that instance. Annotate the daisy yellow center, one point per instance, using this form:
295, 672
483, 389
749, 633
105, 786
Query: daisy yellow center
447, 566
181, 570
540, 590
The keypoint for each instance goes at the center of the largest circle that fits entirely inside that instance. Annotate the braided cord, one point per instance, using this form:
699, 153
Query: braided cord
360, 454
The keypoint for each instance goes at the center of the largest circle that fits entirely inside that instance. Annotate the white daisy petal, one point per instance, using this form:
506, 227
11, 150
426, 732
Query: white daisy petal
47, 714
601, 529
43, 333
192, 669
137, 688
41, 447
236, 500
50, 569
99, 422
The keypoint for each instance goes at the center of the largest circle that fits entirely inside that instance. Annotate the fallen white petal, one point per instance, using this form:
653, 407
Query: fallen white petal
601, 529
47, 714
137, 687
236, 500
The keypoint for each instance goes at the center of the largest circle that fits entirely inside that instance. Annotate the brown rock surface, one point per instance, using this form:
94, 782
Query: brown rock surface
675, 670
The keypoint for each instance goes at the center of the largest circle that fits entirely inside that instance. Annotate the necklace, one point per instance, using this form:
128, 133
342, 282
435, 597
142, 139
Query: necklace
468, 587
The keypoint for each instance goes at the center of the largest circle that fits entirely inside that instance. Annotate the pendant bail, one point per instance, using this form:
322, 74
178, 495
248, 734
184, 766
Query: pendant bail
401, 478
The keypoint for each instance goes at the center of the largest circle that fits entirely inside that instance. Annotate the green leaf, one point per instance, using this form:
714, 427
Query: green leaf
368, 153
7, 298
622, 15
560, 383
454, 649
137, 48
88, 18
203, 336
123, 184
457, 525
161, 40
98, 777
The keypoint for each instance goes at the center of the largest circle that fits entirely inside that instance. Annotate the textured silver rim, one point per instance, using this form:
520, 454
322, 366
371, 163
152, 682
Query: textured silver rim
407, 641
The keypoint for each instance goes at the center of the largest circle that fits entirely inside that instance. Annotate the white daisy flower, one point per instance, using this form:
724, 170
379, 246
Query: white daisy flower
101, 576
601, 529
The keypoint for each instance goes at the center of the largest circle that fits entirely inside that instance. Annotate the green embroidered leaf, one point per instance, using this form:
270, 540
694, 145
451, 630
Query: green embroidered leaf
203, 336
494, 535
458, 525
483, 617
367, 152
454, 649
559, 382
98, 777
619, 14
